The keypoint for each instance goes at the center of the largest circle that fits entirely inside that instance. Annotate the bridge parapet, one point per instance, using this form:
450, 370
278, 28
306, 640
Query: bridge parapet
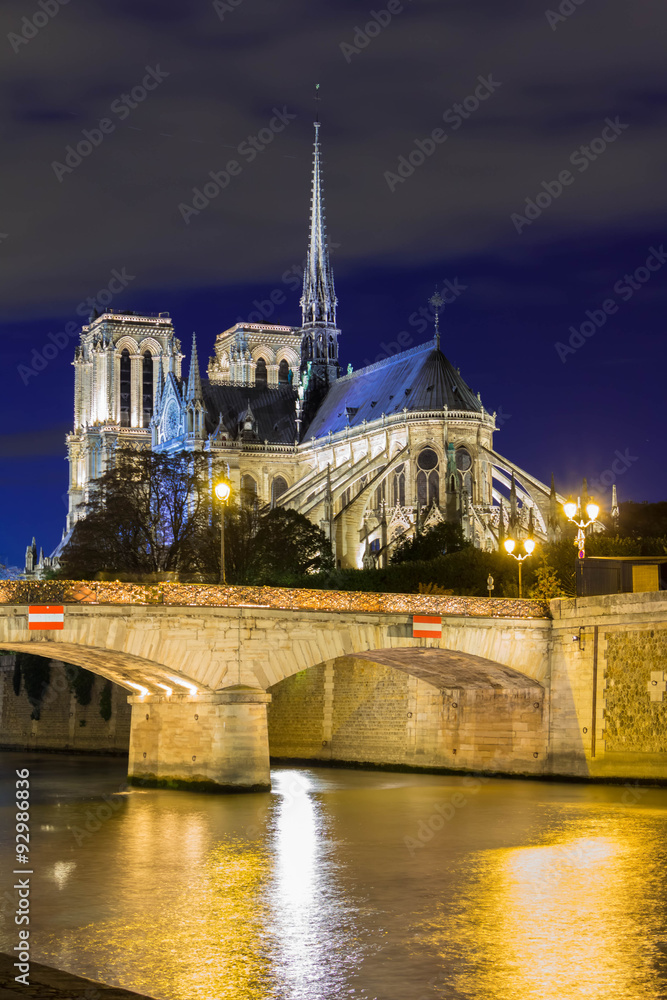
18, 592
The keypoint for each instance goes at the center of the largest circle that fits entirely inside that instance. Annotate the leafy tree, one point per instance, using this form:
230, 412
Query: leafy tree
642, 520
287, 544
439, 540
547, 583
150, 514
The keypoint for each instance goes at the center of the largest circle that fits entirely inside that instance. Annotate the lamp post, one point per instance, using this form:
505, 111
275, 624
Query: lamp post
571, 510
529, 546
222, 489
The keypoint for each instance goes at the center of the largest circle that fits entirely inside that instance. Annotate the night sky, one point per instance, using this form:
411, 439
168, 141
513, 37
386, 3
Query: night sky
569, 114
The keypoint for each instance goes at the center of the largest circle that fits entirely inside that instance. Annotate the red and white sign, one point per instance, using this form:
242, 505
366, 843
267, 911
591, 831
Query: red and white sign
426, 627
48, 616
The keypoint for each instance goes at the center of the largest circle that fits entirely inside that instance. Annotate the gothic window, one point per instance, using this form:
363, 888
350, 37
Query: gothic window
125, 387
147, 383
278, 487
332, 348
464, 466
248, 486
375, 545
261, 377
428, 478
380, 494
398, 491
283, 372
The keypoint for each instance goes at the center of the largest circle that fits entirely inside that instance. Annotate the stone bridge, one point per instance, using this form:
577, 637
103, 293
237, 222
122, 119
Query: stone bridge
219, 676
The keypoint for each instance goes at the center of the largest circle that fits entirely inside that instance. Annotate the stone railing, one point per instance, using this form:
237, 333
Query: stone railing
207, 596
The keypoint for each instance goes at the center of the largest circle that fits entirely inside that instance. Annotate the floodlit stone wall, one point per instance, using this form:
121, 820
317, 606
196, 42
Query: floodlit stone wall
63, 723
633, 720
353, 710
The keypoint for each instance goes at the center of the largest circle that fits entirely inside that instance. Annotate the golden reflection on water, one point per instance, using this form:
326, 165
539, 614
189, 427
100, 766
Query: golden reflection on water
561, 922
198, 932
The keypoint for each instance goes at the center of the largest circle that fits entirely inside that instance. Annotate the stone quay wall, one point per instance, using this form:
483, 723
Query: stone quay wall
64, 724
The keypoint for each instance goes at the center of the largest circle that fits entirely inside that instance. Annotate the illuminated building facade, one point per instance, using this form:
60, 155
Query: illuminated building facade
368, 455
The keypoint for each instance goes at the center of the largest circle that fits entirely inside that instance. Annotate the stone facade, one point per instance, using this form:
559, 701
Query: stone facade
63, 723
633, 720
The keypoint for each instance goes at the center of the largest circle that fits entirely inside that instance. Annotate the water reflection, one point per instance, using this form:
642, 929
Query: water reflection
529, 891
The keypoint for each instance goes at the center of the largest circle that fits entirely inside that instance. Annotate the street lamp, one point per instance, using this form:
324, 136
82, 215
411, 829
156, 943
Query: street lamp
571, 510
222, 489
529, 546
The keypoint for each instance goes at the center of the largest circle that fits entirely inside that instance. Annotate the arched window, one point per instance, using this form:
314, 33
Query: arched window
332, 347
261, 377
398, 491
278, 487
248, 485
428, 478
125, 387
464, 466
147, 376
283, 372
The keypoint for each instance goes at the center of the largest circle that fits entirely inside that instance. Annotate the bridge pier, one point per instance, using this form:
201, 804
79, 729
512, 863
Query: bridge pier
204, 742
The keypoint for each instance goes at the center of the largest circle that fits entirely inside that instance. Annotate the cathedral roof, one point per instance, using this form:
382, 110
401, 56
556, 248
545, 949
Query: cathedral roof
419, 379
273, 410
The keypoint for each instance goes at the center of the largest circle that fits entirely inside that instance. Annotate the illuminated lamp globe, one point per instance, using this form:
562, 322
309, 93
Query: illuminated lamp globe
509, 545
222, 491
592, 510
570, 509
529, 545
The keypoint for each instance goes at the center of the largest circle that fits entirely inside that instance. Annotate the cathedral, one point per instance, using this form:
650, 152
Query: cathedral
368, 455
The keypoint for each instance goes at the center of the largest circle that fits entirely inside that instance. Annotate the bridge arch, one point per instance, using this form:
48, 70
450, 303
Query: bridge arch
417, 708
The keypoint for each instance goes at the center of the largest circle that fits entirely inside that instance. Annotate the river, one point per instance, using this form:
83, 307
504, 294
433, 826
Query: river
344, 884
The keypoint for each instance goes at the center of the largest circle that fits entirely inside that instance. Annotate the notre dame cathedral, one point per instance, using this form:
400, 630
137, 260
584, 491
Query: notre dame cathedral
367, 455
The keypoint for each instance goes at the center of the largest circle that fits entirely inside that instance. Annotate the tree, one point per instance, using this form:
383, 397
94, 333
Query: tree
547, 584
286, 544
442, 539
150, 514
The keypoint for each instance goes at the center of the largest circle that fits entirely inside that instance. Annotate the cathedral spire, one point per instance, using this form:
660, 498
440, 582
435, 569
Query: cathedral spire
318, 302
194, 391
